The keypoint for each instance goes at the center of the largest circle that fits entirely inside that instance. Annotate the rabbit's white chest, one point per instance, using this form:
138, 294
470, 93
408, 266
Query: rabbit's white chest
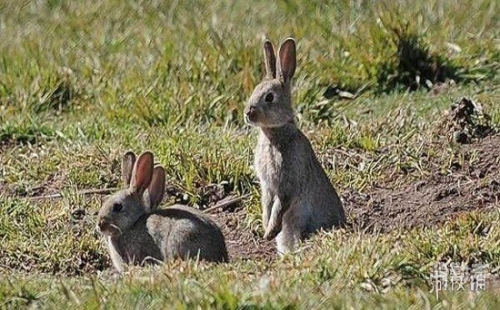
116, 259
268, 162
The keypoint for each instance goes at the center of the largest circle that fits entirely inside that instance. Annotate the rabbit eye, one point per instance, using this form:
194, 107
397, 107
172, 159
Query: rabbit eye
117, 207
269, 98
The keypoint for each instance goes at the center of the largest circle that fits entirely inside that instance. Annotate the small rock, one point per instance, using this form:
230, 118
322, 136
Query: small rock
386, 282
367, 286
78, 214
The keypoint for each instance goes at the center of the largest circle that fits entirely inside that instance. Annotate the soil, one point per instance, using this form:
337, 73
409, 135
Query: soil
432, 200
242, 243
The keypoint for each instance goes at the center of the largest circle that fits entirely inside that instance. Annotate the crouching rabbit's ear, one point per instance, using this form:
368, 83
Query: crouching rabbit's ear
156, 190
128, 162
142, 173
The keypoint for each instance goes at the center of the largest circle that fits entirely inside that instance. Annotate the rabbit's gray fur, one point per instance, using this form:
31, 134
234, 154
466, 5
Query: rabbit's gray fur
298, 199
138, 232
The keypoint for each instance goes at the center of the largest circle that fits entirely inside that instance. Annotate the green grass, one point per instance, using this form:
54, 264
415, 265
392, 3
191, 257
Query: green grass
83, 81
337, 270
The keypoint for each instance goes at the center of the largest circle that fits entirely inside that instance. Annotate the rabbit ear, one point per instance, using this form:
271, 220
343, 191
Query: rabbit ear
270, 60
142, 173
288, 60
156, 189
128, 161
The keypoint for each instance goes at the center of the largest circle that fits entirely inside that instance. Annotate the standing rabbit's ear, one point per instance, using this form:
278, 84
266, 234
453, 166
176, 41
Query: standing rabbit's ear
142, 173
270, 60
127, 167
156, 189
288, 60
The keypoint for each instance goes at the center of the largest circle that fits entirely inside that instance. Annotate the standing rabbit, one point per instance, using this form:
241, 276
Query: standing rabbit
138, 232
297, 196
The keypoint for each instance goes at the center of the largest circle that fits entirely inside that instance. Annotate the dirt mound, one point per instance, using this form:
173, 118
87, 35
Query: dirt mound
435, 199
466, 121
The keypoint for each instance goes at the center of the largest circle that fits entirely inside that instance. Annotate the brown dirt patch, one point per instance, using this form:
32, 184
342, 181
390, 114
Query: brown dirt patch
243, 243
435, 199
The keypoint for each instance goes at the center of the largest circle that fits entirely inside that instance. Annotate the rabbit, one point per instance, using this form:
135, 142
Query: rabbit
297, 196
137, 231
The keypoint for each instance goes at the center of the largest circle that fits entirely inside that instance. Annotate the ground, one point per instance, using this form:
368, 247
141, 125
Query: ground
470, 183
435, 199
398, 98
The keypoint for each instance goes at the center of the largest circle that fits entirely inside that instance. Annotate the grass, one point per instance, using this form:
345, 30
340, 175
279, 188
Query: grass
338, 270
81, 82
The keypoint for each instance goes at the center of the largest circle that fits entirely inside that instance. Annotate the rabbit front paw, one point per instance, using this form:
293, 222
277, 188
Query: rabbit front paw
272, 231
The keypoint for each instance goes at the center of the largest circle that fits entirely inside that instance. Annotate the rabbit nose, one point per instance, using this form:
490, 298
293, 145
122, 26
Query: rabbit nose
251, 114
250, 110
102, 224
